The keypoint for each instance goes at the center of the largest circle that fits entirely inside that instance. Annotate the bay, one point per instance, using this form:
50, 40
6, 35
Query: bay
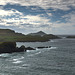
57, 60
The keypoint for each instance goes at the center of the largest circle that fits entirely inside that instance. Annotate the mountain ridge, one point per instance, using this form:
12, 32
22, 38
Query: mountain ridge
40, 33
11, 35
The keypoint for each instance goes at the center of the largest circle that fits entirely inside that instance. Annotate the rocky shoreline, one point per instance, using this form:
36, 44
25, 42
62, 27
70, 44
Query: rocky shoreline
10, 47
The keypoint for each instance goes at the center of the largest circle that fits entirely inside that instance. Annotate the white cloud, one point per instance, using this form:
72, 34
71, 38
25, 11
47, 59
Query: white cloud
70, 18
49, 14
56, 4
9, 12
11, 20
22, 21
65, 28
36, 19
31, 22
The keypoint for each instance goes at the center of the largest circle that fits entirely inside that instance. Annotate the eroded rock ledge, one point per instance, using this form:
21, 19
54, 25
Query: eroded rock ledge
10, 47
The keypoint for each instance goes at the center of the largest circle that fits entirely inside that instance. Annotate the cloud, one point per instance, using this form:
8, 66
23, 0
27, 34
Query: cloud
7, 19
55, 16
9, 12
70, 18
67, 27
49, 14
45, 4
17, 19
70, 21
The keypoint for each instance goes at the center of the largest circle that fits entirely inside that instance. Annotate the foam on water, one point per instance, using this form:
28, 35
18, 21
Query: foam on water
30, 50
51, 40
35, 53
4, 55
53, 48
59, 59
25, 65
18, 61
38, 51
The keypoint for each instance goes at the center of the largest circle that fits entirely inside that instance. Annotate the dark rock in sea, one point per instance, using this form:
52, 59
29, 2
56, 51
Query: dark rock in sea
29, 48
10, 47
44, 47
21, 49
7, 47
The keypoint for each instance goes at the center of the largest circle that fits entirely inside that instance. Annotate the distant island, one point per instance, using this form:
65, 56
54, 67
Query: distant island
7, 35
71, 36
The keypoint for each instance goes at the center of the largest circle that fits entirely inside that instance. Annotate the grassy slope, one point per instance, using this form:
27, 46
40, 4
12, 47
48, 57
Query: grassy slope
7, 35
27, 38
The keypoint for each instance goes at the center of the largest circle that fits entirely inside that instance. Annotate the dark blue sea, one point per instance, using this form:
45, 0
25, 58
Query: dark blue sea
57, 60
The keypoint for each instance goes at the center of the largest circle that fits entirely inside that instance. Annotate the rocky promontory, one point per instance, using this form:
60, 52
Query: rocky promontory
7, 35
10, 47
71, 36
8, 39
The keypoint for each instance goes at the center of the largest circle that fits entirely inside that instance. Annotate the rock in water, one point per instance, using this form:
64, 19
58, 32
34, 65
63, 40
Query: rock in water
21, 49
29, 48
10, 47
43, 47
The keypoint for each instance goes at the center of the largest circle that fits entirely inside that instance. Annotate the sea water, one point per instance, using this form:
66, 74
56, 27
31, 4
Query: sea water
57, 60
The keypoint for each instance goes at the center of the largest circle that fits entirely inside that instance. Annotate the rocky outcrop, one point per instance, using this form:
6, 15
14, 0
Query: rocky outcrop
10, 47
72, 36
29, 48
44, 47
7, 47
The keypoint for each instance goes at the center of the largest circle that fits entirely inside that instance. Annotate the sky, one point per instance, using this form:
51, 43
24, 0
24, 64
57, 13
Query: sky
29, 16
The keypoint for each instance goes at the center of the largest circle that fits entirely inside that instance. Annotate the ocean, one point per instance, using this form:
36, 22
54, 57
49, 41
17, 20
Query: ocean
57, 60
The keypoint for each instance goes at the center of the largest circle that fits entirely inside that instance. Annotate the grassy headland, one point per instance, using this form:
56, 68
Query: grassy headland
7, 35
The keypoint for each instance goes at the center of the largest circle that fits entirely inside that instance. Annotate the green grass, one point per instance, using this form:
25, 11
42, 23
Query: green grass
26, 38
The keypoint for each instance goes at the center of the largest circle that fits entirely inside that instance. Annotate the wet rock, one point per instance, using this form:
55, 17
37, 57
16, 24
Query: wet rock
43, 47
10, 47
29, 48
7, 47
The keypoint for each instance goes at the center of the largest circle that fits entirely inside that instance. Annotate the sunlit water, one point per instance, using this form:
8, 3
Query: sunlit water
57, 60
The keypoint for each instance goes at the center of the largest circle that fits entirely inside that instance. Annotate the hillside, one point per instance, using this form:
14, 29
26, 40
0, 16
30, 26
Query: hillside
40, 33
6, 31
10, 35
